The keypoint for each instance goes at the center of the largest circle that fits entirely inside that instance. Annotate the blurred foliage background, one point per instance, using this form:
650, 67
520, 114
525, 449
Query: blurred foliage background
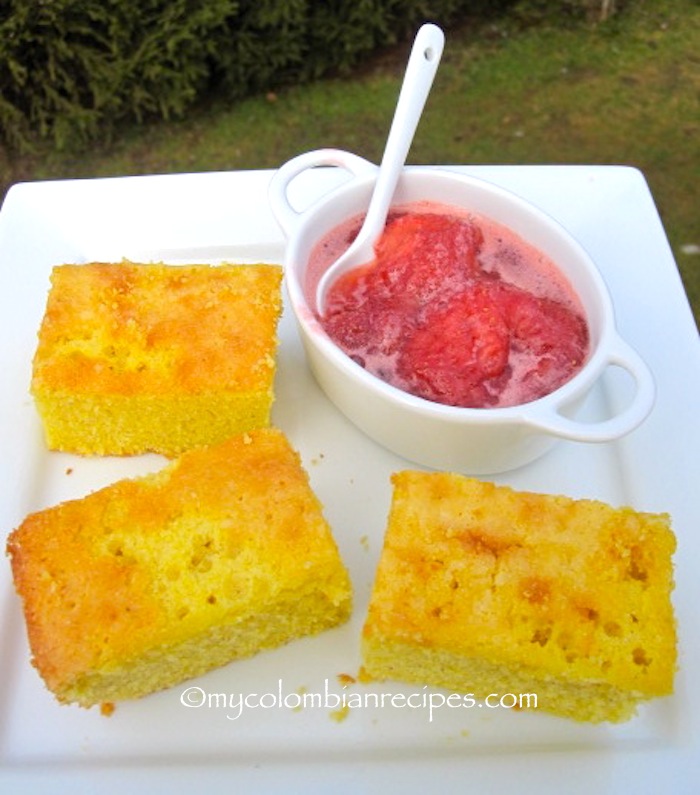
71, 71
113, 87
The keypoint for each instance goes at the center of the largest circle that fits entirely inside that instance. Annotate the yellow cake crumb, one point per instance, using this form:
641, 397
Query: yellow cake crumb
135, 358
339, 715
150, 581
481, 589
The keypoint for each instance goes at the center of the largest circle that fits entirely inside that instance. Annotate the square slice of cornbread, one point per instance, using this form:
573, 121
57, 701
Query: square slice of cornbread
481, 589
150, 581
133, 358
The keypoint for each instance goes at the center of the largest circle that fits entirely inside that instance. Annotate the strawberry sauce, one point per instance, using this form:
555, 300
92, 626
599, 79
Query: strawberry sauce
454, 308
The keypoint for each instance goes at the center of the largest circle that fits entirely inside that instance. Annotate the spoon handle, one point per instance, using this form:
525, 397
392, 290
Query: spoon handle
420, 72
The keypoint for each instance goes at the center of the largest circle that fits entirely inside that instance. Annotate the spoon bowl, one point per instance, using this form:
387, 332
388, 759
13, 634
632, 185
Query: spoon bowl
418, 79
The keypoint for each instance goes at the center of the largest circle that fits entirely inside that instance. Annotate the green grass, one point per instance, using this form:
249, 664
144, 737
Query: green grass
623, 92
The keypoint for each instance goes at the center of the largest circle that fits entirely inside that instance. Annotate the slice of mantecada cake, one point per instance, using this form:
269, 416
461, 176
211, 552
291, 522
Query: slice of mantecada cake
133, 358
481, 590
150, 581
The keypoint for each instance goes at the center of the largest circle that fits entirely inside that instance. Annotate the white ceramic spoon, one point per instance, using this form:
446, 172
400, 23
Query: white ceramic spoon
420, 71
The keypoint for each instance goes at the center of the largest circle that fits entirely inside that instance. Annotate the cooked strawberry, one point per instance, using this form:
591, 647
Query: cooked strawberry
421, 255
461, 350
436, 315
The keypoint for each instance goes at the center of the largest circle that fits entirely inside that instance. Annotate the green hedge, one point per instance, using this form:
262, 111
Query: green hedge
73, 70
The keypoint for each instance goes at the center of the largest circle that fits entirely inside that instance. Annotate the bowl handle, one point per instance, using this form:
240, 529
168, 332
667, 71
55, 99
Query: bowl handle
287, 217
621, 355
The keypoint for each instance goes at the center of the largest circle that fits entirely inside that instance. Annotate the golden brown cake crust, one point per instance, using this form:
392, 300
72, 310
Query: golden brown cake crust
218, 537
127, 328
559, 587
137, 358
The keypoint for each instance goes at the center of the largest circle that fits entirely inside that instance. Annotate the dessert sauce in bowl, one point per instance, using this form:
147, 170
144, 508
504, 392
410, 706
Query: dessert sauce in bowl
473, 438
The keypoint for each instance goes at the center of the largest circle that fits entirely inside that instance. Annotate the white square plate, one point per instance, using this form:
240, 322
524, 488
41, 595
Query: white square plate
159, 741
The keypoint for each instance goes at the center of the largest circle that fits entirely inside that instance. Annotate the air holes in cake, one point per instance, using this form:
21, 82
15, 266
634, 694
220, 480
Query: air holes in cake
612, 629
115, 548
589, 613
636, 572
639, 657
201, 557
454, 584
183, 612
211, 599
541, 636
636, 566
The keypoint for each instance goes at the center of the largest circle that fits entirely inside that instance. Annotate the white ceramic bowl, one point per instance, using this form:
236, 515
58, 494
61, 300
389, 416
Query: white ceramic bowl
474, 441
